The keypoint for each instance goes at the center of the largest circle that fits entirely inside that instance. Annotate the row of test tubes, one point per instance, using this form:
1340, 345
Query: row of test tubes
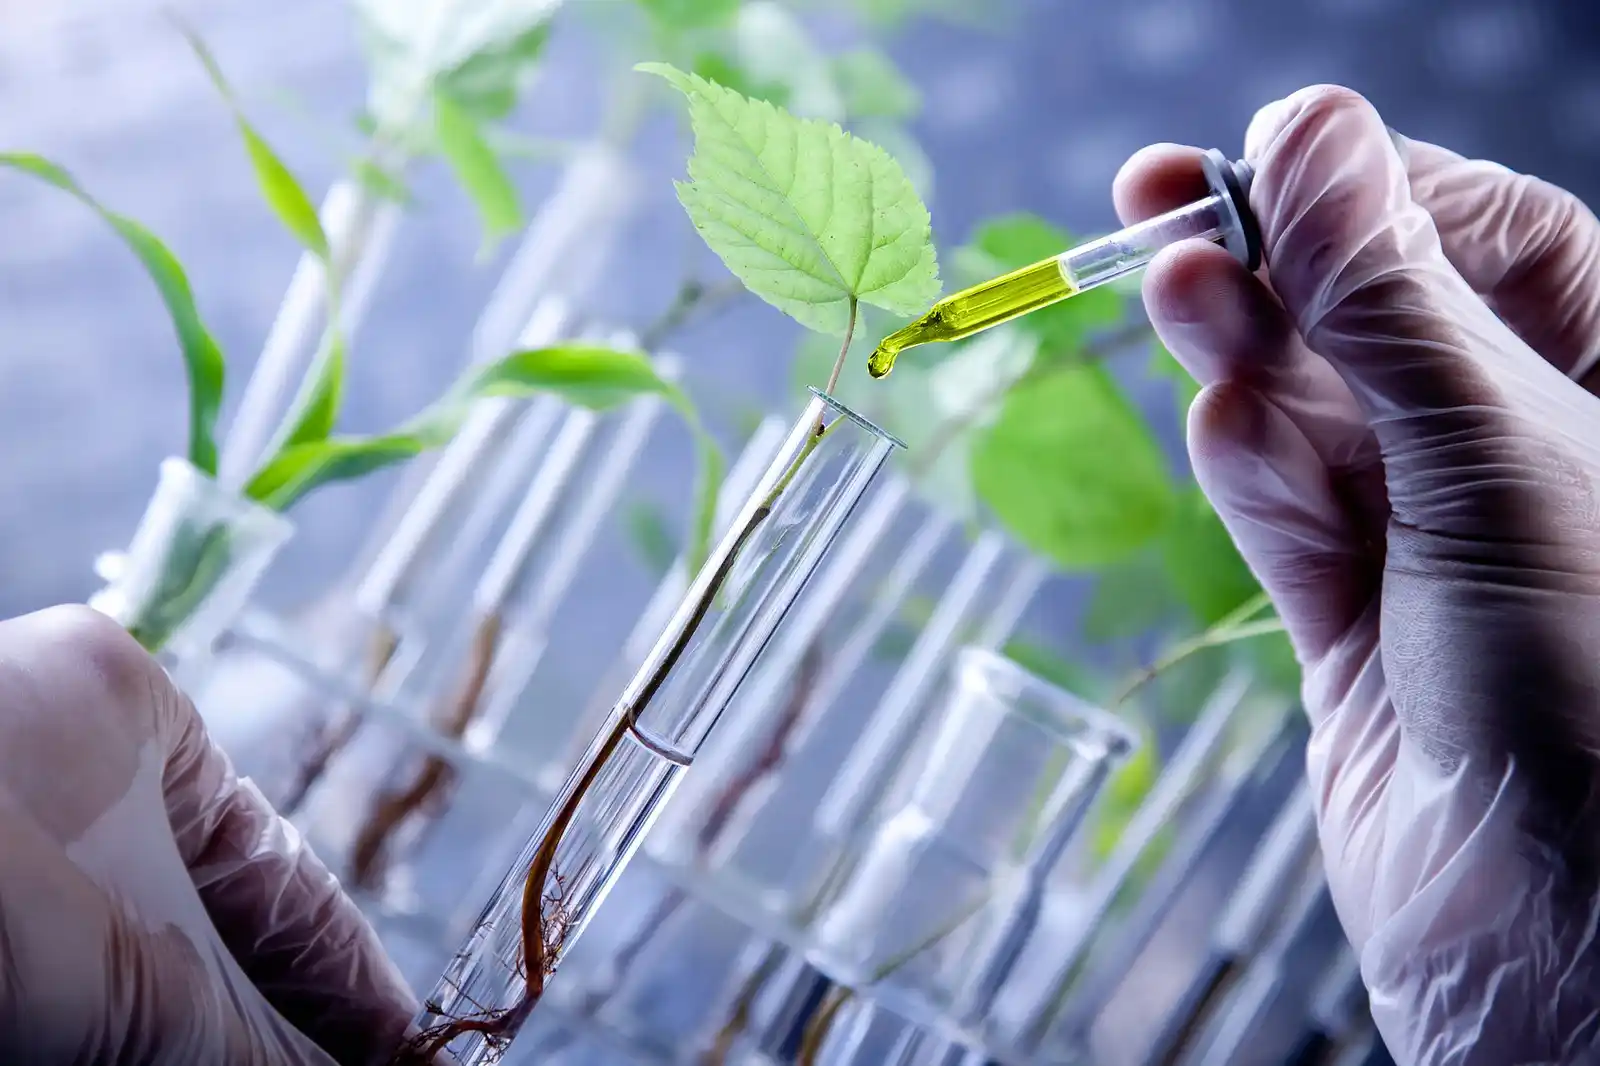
885, 854
884, 824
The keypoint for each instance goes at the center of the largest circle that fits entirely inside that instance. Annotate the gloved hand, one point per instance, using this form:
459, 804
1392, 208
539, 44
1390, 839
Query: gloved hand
153, 907
1389, 429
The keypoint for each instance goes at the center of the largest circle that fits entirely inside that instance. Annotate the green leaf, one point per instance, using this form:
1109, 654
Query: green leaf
904, 148
651, 539
807, 216
1072, 471
681, 15
585, 375
873, 87
478, 171
315, 416
279, 187
486, 83
940, 410
1201, 562
294, 471
1130, 599
202, 357
1015, 241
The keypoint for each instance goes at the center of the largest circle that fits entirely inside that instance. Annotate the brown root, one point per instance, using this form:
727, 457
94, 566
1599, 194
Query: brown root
429, 789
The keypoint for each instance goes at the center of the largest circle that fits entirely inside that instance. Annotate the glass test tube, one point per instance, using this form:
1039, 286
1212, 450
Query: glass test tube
1089, 892
1266, 984
1250, 918
741, 481
633, 979
728, 616
1070, 975
940, 888
740, 851
789, 889
743, 476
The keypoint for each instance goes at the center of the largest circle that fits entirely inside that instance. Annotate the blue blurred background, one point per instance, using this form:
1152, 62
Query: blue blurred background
1035, 113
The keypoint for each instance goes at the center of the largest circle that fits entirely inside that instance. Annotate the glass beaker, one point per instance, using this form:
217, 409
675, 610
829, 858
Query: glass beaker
194, 561
929, 903
729, 614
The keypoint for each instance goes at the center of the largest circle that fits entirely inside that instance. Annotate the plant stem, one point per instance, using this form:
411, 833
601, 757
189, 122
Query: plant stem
694, 297
844, 349
544, 933
332, 736
1234, 627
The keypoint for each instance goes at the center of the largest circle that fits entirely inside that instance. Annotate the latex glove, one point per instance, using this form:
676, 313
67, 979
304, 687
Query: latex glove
1389, 431
153, 908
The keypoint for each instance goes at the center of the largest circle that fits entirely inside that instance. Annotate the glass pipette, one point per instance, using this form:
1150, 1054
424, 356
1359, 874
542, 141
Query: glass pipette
1222, 216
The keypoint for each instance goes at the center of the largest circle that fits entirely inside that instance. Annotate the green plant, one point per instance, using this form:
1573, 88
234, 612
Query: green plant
307, 453
855, 232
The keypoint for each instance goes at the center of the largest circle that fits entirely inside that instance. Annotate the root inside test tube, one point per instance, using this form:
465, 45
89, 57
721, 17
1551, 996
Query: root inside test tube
633, 765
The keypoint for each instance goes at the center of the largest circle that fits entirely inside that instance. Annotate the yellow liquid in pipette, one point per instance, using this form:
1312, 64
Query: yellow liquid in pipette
976, 309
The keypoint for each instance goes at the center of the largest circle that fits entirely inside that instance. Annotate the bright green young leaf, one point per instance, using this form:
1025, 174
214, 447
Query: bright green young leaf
315, 415
486, 83
279, 187
202, 357
873, 87
600, 379
807, 216
478, 170
1072, 471
293, 472
906, 150
1014, 241
584, 375
1201, 562
681, 15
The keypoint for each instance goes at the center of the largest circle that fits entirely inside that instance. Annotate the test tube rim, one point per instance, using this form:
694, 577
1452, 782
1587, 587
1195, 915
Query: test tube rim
1065, 718
860, 420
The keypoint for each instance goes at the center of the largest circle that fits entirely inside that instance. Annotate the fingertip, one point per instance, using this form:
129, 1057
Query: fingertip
1311, 106
1156, 179
1215, 317
1227, 420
